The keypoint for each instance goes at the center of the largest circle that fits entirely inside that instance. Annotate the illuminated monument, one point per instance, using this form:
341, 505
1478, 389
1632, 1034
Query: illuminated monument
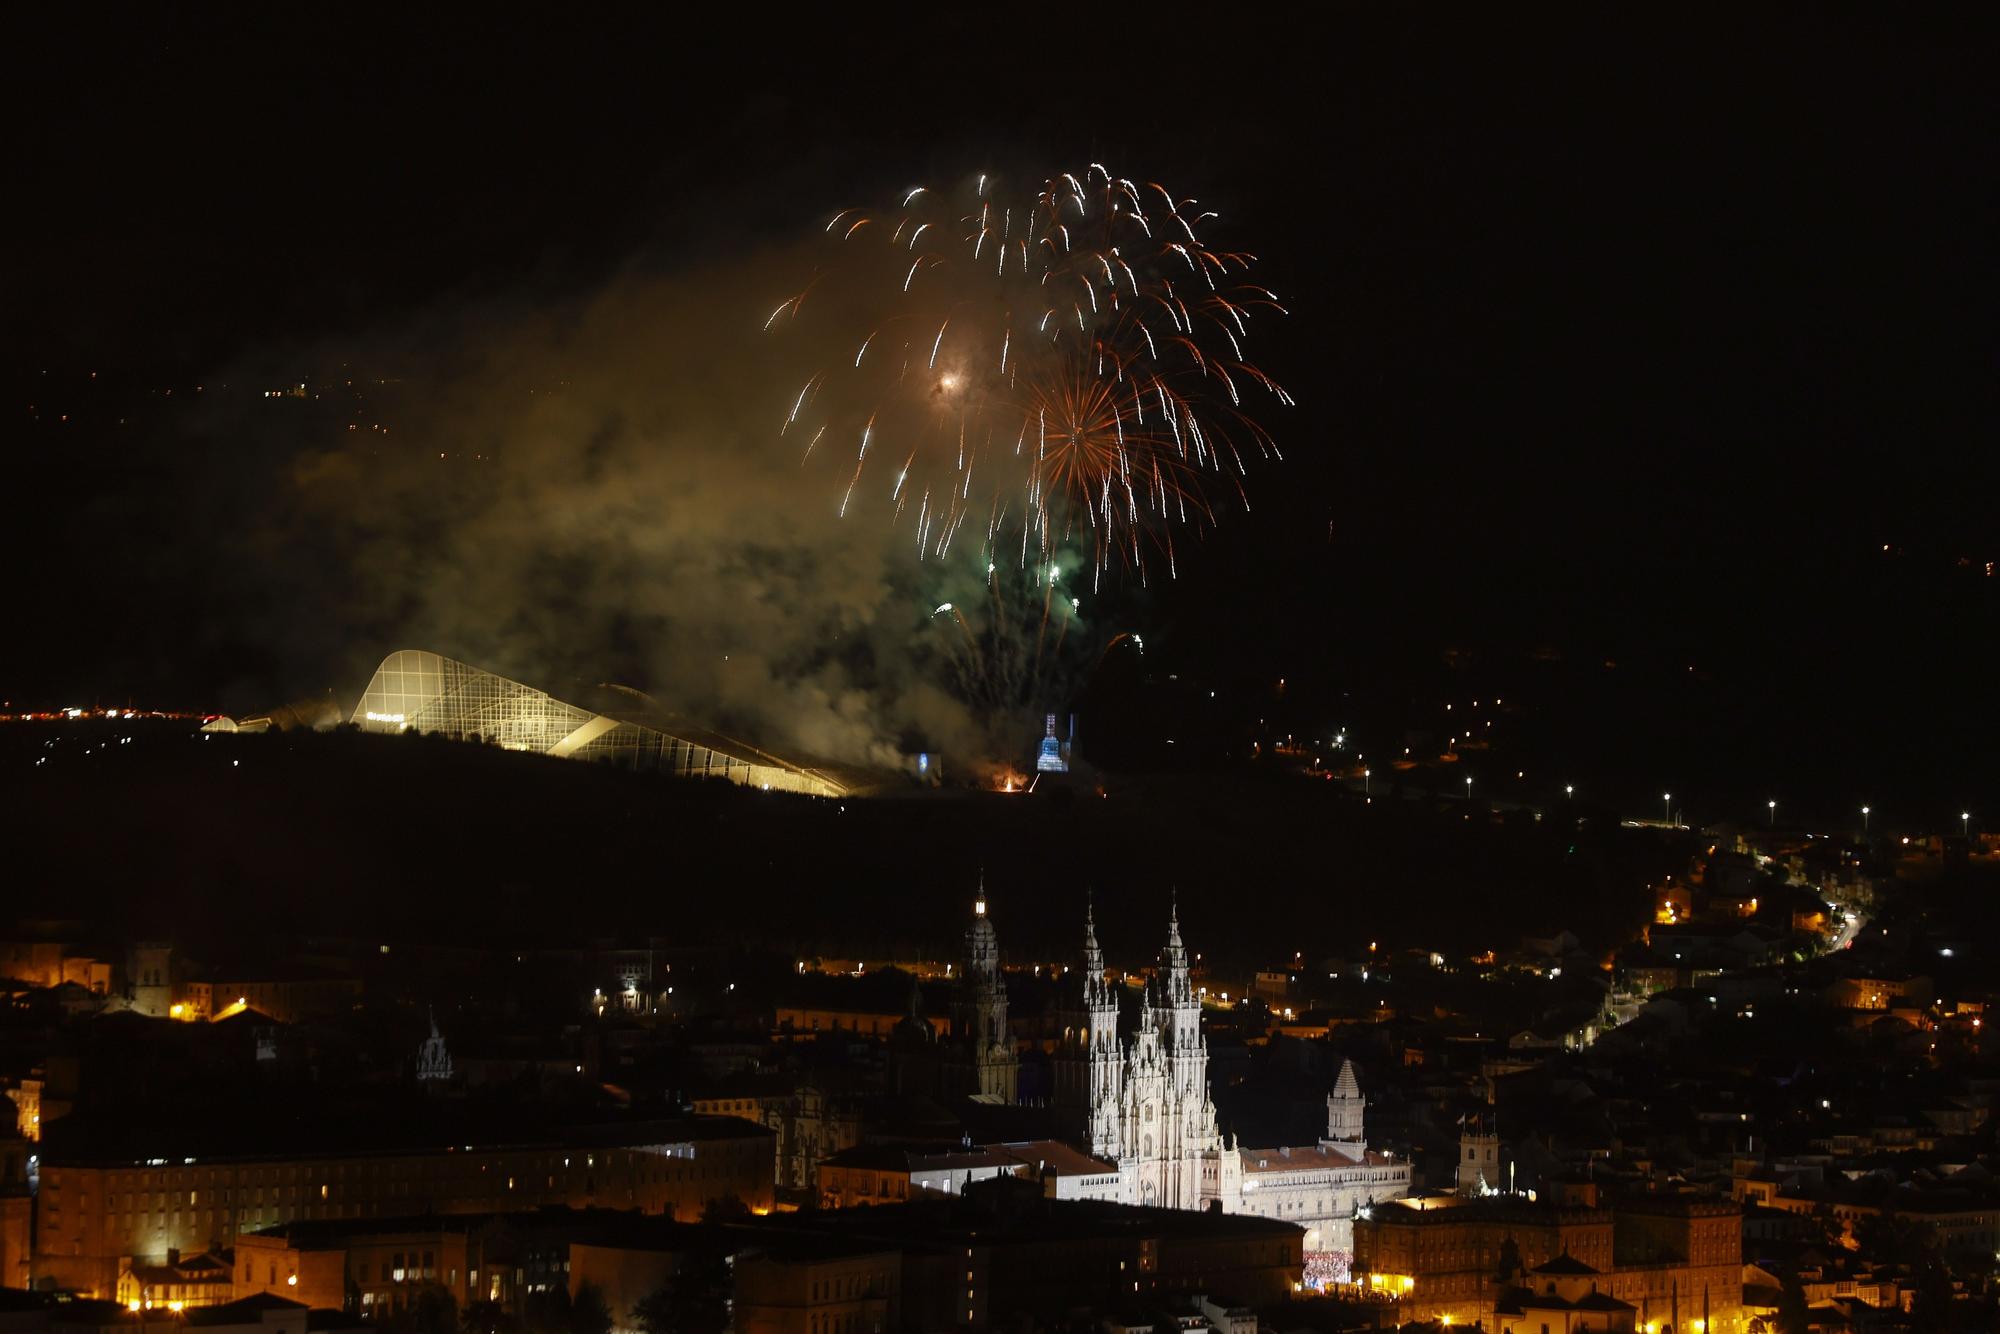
1142, 1105
423, 692
1054, 757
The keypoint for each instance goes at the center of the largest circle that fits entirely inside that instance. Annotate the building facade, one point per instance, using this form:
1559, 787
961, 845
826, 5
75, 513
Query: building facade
1668, 1256
98, 1213
1144, 1105
1323, 1187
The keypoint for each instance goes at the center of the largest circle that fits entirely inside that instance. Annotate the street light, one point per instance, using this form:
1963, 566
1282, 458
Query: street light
1569, 790
1667, 800
1864, 819
1364, 781
1965, 824
1774, 813
1468, 787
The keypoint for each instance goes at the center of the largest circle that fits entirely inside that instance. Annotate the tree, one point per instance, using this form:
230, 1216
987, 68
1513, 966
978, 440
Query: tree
547, 1312
1794, 1312
726, 1209
589, 1313
1931, 1312
431, 1311
657, 1312
487, 1318
1826, 1229
696, 1301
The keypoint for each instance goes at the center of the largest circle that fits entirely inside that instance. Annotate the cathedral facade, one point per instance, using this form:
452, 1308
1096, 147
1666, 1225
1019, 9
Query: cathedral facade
1137, 1094
1143, 1106
1144, 1097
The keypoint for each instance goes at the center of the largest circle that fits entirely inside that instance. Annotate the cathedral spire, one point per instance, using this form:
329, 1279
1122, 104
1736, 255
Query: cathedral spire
1175, 956
1094, 992
433, 1059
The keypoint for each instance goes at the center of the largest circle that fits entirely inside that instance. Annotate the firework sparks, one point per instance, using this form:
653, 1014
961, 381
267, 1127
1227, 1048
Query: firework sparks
1079, 350
1020, 645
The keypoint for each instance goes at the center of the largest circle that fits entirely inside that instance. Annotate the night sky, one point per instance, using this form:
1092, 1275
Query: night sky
1660, 341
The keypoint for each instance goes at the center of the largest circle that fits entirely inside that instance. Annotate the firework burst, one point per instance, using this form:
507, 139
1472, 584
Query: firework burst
1065, 368
1014, 643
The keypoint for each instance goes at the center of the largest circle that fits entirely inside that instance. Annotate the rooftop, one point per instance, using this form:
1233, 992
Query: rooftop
408, 1127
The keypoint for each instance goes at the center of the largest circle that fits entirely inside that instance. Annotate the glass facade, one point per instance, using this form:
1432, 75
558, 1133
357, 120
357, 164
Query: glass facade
414, 690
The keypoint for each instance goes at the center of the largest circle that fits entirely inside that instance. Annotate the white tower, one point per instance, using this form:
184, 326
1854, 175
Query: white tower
1478, 1156
1167, 1123
1099, 1040
1345, 1108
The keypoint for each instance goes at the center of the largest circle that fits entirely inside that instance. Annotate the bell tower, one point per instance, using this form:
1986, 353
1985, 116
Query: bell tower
1345, 1109
1102, 1057
1478, 1156
983, 1047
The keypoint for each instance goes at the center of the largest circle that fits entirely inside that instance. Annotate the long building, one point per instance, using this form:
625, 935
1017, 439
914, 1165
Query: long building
99, 1211
1001, 1255
418, 691
1665, 1255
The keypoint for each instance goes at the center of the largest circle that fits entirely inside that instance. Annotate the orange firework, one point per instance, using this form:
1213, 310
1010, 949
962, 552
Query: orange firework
1066, 368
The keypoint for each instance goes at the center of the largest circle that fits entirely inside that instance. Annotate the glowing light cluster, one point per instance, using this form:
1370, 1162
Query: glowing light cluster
1063, 366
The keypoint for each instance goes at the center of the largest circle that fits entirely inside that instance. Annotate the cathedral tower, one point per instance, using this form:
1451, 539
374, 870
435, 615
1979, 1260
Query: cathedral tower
1345, 1108
1166, 1120
1090, 1066
983, 1061
1180, 1010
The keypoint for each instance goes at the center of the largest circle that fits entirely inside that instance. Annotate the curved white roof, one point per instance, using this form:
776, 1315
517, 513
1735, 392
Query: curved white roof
416, 690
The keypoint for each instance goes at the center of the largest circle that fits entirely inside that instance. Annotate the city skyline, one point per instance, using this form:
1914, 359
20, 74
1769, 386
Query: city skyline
895, 670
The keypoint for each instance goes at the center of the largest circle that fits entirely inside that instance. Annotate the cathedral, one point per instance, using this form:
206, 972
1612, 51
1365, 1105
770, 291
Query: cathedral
1143, 1098
1140, 1103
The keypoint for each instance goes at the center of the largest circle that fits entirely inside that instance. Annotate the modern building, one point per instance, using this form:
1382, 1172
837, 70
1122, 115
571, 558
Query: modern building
418, 691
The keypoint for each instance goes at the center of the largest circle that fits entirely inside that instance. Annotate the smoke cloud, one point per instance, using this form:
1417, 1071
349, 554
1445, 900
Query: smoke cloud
595, 490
